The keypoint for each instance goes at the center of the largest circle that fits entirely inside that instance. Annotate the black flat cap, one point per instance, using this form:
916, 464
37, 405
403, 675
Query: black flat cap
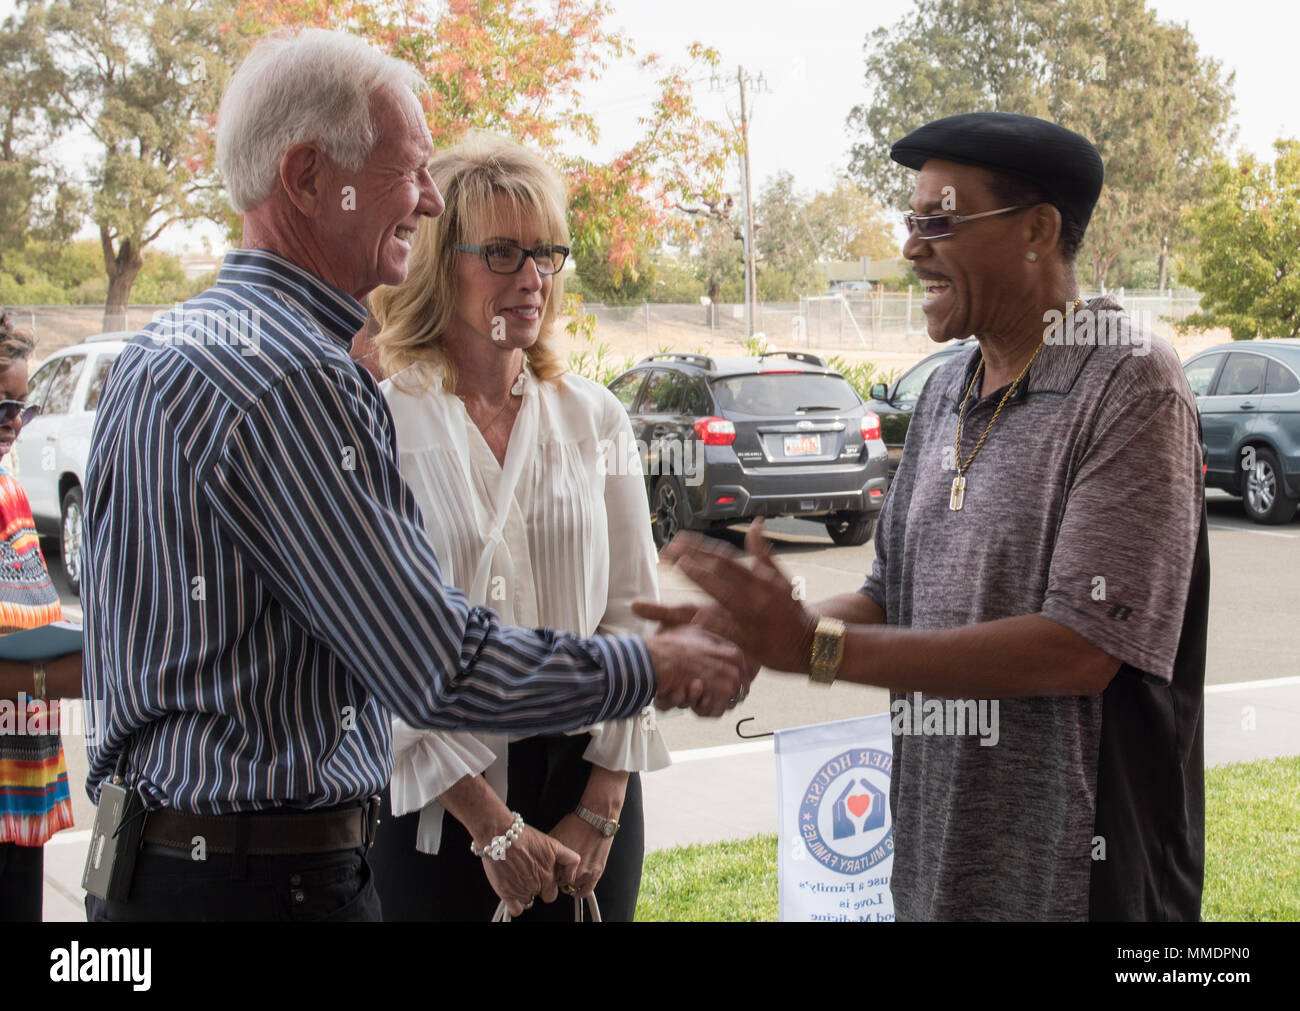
1062, 163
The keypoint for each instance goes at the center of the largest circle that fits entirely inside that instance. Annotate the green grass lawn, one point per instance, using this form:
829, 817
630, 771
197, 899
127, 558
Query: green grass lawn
1252, 858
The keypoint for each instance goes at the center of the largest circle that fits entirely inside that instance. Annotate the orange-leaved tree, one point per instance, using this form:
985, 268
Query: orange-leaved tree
519, 67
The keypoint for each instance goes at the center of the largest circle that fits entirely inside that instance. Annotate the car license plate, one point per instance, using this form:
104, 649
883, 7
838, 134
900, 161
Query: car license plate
803, 445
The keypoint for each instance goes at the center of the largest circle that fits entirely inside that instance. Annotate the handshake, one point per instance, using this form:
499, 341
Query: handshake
705, 656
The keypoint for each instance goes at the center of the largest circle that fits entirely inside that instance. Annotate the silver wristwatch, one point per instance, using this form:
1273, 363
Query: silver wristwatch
605, 826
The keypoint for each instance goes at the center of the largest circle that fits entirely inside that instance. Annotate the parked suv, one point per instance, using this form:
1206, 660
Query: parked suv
49, 456
894, 404
1248, 395
724, 440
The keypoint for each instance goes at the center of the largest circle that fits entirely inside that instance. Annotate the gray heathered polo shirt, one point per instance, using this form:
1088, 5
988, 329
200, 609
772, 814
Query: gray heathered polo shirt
1092, 473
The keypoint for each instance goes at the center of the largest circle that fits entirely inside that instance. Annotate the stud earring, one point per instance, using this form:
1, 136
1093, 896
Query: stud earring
1031, 256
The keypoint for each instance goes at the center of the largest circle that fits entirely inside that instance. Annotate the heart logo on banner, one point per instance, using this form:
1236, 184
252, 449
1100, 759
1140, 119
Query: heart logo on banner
859, 803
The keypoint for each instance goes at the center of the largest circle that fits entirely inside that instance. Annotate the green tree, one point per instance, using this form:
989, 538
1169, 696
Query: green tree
522, 67
601, 279
34, 201
719, 260
143, 79
788, 248
1100, 67
1247, 259
850, 225
675, 279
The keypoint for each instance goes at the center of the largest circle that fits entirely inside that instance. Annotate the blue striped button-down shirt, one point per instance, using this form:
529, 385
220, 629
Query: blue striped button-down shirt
259, 593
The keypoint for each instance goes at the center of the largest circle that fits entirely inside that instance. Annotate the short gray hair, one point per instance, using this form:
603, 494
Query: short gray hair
311, 86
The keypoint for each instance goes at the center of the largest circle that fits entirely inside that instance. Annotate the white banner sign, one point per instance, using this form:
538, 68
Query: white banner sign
836, 847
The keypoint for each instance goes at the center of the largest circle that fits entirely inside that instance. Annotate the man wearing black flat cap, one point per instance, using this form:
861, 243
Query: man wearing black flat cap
1043, 544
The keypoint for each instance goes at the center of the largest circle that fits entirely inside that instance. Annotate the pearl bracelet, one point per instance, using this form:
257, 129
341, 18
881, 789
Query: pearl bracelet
496, 849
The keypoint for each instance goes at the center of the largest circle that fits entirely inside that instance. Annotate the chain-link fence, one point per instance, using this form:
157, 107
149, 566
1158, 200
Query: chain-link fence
887, 321
58, 326
869, 321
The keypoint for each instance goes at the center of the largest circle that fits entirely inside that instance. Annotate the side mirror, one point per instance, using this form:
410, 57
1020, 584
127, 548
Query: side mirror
879, 391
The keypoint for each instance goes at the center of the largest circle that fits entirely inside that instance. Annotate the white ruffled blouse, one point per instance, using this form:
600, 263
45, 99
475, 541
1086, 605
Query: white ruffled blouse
557, 537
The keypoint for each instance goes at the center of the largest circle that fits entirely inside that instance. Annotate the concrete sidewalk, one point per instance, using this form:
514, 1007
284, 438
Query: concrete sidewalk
730, 792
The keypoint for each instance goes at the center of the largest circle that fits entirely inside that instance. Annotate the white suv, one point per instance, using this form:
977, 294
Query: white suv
49, 457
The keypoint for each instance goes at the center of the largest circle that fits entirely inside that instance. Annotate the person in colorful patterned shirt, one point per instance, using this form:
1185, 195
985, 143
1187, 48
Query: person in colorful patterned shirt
34, 798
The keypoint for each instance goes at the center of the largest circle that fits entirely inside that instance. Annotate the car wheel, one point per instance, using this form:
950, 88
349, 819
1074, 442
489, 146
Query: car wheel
849, 529
668, 516
1263, 496
70, 539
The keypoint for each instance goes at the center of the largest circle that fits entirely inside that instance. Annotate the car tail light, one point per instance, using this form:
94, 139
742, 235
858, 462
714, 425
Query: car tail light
870, 425
715, 431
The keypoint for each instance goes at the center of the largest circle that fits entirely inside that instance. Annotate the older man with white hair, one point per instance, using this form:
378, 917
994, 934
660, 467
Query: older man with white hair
260, 595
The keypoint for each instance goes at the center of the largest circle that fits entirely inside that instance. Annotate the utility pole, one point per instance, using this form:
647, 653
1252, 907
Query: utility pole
747, 236
750, 279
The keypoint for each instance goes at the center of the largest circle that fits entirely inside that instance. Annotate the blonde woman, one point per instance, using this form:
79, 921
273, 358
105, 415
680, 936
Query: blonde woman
515, 467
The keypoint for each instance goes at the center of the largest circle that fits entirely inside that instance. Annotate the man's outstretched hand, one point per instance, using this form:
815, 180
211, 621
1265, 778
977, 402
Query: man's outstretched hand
697, 668
756, 606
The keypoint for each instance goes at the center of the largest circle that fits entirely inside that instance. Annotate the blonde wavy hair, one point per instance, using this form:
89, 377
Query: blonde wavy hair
414, 316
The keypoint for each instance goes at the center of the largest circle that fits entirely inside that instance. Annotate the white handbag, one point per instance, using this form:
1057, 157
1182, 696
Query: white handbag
502, 915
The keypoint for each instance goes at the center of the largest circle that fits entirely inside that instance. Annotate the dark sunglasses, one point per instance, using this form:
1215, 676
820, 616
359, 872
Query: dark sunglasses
10, 409
944, 226
509, 257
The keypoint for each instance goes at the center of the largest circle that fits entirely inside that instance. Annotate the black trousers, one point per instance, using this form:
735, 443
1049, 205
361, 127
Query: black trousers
169, 885
22, 883
547, 775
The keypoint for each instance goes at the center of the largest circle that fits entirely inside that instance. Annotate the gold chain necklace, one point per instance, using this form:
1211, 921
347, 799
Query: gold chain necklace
516, 390
958, 496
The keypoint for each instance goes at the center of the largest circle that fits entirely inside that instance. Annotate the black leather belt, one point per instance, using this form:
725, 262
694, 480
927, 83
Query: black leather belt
267, 833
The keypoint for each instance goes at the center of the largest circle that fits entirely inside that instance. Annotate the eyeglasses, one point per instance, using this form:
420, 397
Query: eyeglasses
944, 226
10, 409
509, 257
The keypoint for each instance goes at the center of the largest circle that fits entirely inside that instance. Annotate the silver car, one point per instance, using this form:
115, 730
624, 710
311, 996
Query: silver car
49, 456
1248, 395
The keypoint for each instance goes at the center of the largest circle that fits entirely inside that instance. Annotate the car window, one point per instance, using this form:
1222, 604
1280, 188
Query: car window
909, 387
1200, 372
626, 388
96, 388
663, 392
697, 401
1242, 375
59, 399
770, 394
1280, 379
38, 385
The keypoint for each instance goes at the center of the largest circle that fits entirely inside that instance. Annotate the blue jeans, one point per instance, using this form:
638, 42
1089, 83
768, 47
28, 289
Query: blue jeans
169, 885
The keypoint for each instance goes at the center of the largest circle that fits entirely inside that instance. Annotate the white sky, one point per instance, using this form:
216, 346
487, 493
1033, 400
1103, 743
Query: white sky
810, 52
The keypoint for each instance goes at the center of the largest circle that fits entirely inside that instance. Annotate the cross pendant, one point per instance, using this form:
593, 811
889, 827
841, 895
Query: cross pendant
958, 493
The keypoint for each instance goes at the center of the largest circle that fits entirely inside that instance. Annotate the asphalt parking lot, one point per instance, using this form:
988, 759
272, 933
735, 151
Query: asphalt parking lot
1254, 633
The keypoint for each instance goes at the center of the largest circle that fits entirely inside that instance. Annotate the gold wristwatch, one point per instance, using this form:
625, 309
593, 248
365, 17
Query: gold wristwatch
605, 826
827, 650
